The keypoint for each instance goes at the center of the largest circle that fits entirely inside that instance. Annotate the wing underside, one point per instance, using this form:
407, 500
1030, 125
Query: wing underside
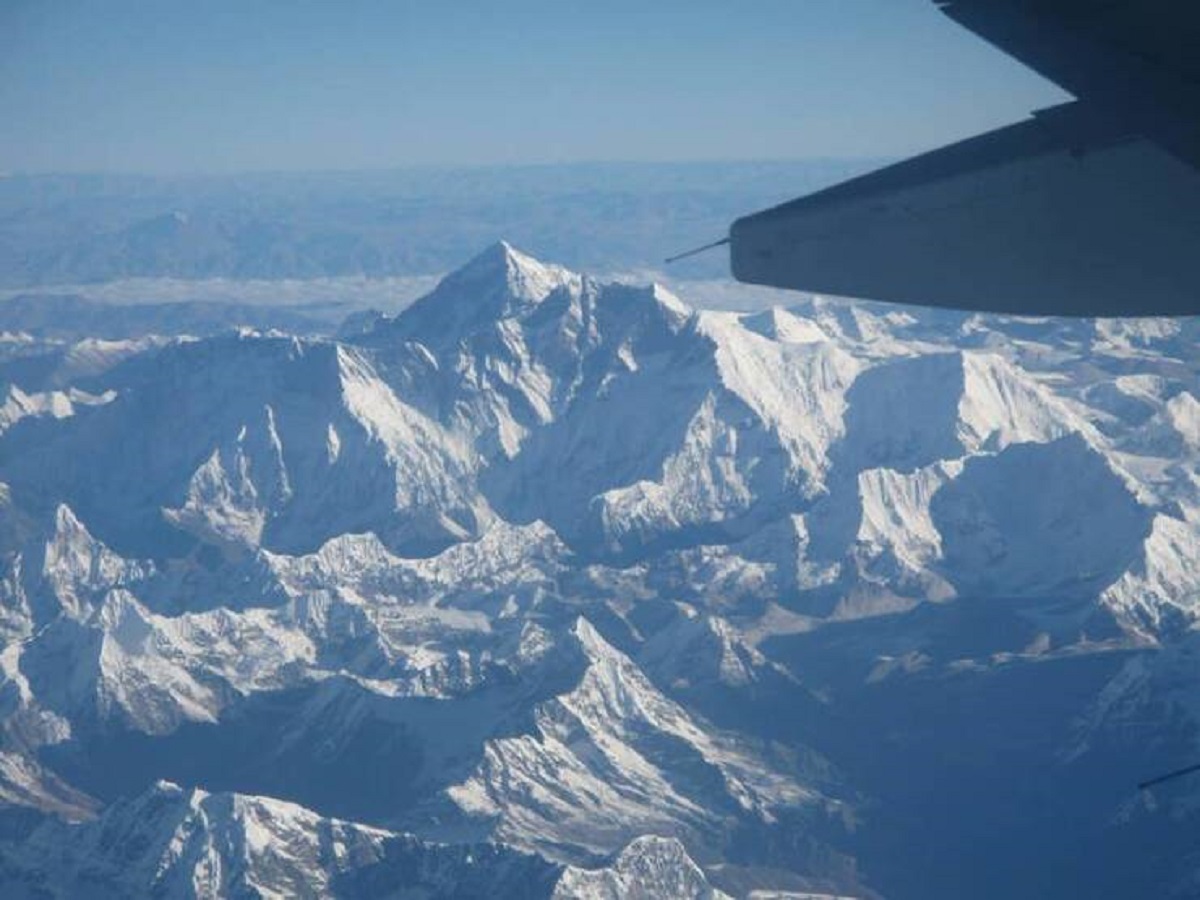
1091, 208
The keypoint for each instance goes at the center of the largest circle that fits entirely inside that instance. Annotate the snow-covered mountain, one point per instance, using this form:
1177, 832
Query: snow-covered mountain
175, 842
564, 587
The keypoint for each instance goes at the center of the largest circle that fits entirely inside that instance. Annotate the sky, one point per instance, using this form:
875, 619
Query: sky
161, 86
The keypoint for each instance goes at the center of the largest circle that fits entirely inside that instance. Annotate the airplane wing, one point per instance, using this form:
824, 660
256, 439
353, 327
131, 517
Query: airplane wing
1091, 208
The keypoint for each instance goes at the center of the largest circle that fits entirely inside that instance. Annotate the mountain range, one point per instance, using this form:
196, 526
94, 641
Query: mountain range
551, 586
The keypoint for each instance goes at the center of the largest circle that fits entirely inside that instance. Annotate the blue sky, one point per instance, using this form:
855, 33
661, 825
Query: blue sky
218, 86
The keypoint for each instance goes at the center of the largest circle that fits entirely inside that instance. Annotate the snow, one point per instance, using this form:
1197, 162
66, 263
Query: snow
649, 866
590, 778
896, 512
798, 391
1165, 577
20, 405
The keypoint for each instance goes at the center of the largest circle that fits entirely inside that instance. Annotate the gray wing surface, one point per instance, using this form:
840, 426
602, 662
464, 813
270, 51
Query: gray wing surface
1091, 208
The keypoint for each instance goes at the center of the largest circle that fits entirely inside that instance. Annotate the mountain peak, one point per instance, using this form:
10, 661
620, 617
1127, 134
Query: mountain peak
495, 258
649, 866
497, 251
525, 279
497, 283
592, 643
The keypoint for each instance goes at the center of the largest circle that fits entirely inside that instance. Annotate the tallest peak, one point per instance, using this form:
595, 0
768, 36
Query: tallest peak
503, 255
501, 248
499, 282
496, 251
502, 268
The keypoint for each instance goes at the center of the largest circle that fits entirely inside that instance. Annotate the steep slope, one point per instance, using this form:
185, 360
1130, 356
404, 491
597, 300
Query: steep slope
173, 842
253, 440
675, 424
500, 283
1049, 518
1162, 587
914, 410
613, 758
20, 405
648, 867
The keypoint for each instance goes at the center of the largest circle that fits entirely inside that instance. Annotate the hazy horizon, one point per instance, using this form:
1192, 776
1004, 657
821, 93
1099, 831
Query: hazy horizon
445, 167
65, 229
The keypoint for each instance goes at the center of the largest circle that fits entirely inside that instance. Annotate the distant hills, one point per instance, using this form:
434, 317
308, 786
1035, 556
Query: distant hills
63, 229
